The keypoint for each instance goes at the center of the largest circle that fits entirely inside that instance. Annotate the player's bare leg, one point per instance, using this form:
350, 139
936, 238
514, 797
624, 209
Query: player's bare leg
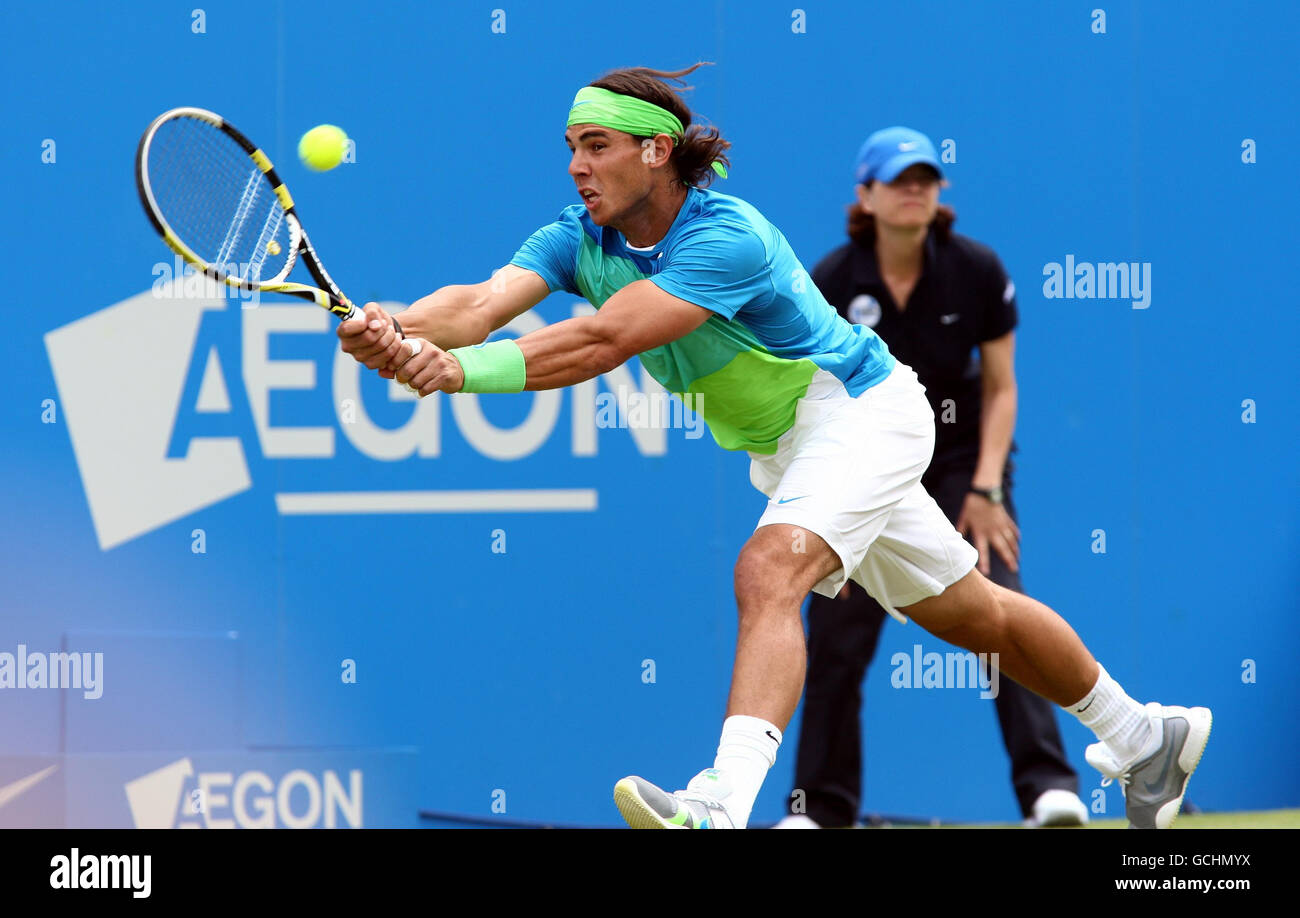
1151, 750
1035, 646
777, 567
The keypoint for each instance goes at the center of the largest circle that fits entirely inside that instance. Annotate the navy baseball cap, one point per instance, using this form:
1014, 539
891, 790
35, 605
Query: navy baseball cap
888, 152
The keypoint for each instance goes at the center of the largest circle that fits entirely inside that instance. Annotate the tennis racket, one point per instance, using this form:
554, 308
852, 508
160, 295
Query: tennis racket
218, 203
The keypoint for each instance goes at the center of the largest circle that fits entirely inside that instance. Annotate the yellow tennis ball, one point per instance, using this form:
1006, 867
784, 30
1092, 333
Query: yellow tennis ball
322, 148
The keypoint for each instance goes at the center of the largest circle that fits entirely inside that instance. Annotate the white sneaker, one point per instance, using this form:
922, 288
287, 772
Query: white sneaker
1057, 807
797, 821
700, 806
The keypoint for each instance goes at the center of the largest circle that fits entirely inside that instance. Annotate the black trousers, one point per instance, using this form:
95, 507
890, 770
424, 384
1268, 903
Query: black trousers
842, 638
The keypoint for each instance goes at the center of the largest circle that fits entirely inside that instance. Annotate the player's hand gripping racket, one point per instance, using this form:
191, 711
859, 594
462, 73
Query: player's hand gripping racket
217, 202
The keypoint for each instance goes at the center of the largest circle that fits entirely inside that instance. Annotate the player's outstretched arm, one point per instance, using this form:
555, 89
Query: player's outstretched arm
461, 315
454, 316
639, 317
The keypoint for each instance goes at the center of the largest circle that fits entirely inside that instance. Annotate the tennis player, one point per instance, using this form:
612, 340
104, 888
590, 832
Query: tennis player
711, 298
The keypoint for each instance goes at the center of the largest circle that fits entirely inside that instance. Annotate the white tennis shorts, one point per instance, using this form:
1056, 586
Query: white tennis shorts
850, 471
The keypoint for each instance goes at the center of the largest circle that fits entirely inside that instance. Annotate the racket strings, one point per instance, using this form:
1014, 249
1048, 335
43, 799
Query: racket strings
246, 203
218, 202
266, 243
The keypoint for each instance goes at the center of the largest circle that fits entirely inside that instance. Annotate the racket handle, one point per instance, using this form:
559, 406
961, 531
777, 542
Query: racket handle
358, 313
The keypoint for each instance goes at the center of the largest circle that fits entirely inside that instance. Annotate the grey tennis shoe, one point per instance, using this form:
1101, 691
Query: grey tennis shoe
1154, 783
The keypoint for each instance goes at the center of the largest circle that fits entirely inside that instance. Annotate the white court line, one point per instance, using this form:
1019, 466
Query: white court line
522, 501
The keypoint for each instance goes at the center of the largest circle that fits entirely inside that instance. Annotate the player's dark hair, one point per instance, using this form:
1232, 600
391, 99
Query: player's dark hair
862, 225
693, 158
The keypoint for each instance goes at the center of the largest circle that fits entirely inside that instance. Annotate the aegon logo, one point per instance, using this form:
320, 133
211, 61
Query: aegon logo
174, 797
161, 391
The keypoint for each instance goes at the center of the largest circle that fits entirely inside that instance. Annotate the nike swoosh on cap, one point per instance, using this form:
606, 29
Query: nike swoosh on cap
908, 146
786, 500
10, 791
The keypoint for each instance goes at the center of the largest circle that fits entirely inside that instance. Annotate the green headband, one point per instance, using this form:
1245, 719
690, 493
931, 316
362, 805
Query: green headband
593, 105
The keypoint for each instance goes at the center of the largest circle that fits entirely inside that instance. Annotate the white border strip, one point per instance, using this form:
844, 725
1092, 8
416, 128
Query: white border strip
349, 502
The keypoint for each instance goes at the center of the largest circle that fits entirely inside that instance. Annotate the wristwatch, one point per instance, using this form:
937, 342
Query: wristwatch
992, 495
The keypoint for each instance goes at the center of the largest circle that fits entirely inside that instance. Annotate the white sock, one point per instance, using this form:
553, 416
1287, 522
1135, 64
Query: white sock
1120, 722
745, 753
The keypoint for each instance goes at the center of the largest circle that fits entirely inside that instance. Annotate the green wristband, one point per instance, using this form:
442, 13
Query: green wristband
495, 367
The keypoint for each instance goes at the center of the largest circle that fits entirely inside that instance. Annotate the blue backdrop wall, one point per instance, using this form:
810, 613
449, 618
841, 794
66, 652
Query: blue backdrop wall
168, 457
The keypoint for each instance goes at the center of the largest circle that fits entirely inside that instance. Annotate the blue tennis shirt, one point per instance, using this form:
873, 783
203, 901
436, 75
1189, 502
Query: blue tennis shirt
772, 332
